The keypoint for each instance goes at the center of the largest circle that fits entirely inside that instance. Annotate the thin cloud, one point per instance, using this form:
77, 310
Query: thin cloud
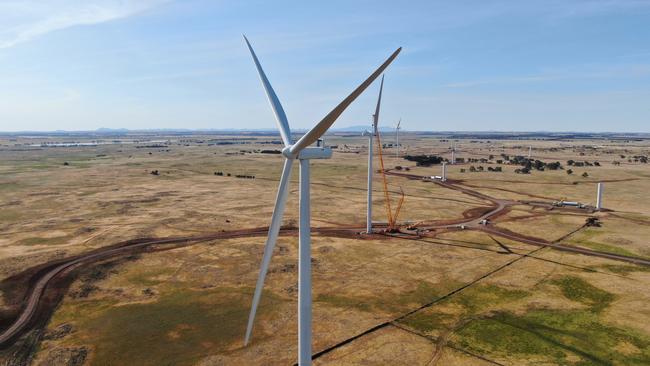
25, 21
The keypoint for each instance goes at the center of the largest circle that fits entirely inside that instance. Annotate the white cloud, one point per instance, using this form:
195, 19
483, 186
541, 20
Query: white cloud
22, 21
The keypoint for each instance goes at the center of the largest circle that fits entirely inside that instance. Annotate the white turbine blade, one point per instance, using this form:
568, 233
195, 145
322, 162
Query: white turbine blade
375, 117
399, 123
322, 126
274, 229
280, 116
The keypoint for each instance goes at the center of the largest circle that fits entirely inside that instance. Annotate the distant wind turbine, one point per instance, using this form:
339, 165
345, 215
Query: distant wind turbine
302, 151
397, 128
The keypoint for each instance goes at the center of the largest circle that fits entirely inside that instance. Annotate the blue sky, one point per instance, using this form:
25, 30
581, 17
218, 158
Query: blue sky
554, 65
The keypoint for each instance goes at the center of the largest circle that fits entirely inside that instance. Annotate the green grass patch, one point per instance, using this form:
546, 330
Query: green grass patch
347, 302
57, 240
425, 292
147, 276
577, 289
428, 321
607, 248
553, 335
623, 269
180, 328
586, 238
471, 301
475, 298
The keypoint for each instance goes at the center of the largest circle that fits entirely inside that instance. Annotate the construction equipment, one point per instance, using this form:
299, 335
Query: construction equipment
392, 218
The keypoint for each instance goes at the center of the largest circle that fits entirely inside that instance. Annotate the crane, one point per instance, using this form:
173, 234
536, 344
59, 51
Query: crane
392, 217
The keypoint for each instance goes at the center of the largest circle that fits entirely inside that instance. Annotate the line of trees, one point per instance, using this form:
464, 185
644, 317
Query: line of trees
424, 160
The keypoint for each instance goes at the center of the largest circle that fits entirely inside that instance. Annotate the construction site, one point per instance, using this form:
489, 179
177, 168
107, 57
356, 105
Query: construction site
463, 263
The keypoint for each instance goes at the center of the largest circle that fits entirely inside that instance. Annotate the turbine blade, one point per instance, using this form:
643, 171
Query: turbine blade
274, 229
399, 123
322, 126
375, 117
280, 116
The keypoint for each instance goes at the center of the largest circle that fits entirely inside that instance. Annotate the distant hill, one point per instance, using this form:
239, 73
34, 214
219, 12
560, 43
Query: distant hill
359, 128
109, 130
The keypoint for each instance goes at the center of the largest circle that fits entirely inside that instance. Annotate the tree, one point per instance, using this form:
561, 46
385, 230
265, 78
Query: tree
569, 171
472, 169
554, 166
570, 162
424, 160
585, 175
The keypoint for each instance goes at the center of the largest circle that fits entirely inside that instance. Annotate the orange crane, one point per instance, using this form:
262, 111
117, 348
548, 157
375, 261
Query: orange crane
392, 218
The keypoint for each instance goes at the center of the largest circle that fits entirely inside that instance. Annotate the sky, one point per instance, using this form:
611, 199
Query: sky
552, 65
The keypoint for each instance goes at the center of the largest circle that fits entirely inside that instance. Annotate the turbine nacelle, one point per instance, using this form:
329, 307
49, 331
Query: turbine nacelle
308, 153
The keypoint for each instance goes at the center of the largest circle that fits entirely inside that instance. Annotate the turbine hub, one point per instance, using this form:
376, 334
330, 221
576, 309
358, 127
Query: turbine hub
287, 152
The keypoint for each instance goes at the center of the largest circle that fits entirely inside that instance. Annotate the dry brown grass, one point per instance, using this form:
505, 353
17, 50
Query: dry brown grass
49, 211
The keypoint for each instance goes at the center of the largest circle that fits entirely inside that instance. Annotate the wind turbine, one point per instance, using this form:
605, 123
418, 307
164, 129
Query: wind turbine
397, 128
371, 135
453, 153
299, 150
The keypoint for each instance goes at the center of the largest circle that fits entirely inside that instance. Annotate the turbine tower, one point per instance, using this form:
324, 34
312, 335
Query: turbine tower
302, 151
443, 177
599, 196
371, 134
453, 153
397, 128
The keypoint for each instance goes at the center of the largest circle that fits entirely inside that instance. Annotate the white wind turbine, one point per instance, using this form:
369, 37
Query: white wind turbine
371, 134
299, 150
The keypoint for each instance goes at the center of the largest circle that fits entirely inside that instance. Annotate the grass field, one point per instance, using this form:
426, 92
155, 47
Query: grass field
451, 297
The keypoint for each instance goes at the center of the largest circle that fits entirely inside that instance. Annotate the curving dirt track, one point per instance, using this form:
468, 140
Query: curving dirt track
37, 282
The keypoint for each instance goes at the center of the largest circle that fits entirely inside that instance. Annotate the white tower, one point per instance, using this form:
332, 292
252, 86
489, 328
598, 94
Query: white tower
453, 153
369, 197
444, 172
530, 152
599, 196
371, 135
397, 128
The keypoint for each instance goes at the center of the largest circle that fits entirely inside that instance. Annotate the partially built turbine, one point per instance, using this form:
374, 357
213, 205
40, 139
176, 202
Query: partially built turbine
397, 128
301, 151
453, 154
371, 135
